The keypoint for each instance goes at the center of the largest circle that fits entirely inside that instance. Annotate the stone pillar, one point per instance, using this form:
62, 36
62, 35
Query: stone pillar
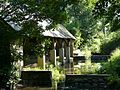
41, 61
68, 55
71, 51
71, 54
53, 54
61, 53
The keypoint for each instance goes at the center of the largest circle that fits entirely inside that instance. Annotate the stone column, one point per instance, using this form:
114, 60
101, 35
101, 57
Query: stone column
53, 54
61, 53
71, 51
71, 54
68, 54
41, 61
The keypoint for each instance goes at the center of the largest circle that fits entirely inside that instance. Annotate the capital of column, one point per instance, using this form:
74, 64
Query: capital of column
68, 43
54, 45
63, 43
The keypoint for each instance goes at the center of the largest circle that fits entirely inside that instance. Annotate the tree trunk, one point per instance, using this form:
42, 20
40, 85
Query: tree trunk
5, 57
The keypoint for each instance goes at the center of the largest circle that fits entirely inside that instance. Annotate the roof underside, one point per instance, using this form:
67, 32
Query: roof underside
59, 32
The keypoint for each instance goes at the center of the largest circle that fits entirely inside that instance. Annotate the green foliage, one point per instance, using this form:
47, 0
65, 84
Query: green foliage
112, 67
9, 77
21, 11
84, 27
87, 69
96, 41
110, 10
95, 47
80, 19
57, 72
5, 53
111, 43
14, 76
25, 16
78, 40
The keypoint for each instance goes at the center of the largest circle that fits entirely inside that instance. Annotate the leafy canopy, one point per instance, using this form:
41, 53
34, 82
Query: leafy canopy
25, 15
109, 9
20, 11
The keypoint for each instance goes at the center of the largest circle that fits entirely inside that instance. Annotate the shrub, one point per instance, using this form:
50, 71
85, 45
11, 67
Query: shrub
87, 69
111, 43
57, 72
112, 67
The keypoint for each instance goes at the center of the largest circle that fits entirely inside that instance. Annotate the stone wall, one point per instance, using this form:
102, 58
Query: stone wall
86, 82
94, 58
99, 58
36, 78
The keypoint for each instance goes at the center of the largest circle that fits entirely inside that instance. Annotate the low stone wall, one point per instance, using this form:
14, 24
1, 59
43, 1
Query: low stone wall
86, 82
99, 58
94, 58
36, 78
81, 59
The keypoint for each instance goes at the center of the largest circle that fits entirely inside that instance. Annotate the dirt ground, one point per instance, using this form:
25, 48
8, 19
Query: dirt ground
35, 88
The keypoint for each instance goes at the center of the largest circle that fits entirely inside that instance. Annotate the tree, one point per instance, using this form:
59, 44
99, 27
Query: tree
80, 18
25, 15
83, 25
5, 56
110, 11
112, 67
112, 42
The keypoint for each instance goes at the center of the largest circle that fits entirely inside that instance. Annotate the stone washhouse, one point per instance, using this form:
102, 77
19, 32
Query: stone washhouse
60, 51
61, 48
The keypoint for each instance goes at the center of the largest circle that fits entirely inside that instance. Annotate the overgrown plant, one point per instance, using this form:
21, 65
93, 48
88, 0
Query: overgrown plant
14, 77
111, 43
57, 73
112, 67
91, 69
78, 40
25, 16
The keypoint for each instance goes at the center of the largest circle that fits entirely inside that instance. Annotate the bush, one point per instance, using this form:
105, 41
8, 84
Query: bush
112, 67
111, 43
87, 69
57, 72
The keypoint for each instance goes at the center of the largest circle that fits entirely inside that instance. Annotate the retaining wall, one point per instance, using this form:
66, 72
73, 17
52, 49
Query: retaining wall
86, 82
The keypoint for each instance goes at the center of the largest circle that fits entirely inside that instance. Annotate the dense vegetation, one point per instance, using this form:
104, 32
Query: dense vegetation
112, 67
94, 23
25, 16
110, 11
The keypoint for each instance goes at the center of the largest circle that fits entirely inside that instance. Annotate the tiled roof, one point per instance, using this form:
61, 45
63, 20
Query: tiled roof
59, 32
